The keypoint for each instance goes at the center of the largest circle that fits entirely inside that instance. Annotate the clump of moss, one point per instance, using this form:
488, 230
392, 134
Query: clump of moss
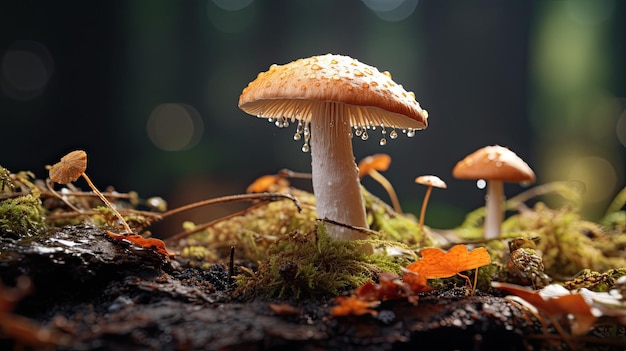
595, 281
22, 215
311, 264
20, 212
253, 231
568, 243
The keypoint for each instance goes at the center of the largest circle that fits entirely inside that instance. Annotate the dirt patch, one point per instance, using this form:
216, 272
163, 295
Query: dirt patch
91, 292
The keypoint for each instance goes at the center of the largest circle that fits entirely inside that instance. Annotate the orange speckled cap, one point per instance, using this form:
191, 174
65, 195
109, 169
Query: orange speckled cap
494, 163
296, 89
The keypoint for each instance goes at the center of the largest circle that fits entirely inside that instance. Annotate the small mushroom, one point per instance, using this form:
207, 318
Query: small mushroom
71, 167
371, 165
430, 181
496, 165
327, 96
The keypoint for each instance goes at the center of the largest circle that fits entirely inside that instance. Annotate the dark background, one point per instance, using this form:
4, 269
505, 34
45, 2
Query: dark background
544, 78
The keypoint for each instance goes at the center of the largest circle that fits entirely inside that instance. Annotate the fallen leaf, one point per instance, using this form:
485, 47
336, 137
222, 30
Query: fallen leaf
416, 282
284, 309
436, 263
353, 306
389, 287
146, 243
555, 301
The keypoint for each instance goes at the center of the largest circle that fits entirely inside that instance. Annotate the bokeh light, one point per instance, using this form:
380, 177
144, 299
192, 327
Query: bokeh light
392, 10
230, 16
26, 69
174, 127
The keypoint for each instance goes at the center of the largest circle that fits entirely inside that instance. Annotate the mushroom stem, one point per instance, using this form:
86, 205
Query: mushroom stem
108, 203
424, 204
494, 206
334, 172
388, 187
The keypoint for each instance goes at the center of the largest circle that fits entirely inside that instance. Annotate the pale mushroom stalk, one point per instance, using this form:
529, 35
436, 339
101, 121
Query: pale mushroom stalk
327, 95
424, 205
430, 181
494, 207
388, 187
496, 165
334, 173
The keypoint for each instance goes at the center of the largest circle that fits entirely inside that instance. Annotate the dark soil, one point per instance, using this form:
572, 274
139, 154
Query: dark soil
91, 292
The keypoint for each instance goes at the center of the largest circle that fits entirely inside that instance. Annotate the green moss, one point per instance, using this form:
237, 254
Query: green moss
22, 215
312, 265
393, 226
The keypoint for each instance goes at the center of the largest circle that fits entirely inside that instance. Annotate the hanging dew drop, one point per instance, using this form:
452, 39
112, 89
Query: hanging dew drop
481, 183
271, 120
305, 148
393, 134
383, 142
297, 136
410, 133
358, 131
364, 136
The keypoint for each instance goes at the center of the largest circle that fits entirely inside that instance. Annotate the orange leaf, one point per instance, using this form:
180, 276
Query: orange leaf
436, 263
146, 243
353, 306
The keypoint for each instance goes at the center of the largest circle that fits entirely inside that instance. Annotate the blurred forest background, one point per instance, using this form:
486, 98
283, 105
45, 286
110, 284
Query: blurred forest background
150, 89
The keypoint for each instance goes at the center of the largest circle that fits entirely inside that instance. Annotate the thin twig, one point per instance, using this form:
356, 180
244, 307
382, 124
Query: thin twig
234, 198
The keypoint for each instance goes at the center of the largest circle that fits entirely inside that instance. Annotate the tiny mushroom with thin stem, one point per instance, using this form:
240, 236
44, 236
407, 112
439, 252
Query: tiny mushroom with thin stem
371, 165
327, 96
430, 181
71, 167
496, 165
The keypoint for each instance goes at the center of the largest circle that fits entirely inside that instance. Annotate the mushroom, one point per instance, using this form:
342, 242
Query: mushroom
371, 165
71, 167
496, 165
430, 181
327, 96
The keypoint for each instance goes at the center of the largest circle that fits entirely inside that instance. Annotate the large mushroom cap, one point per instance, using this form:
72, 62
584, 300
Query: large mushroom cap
494, 163
297, 88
